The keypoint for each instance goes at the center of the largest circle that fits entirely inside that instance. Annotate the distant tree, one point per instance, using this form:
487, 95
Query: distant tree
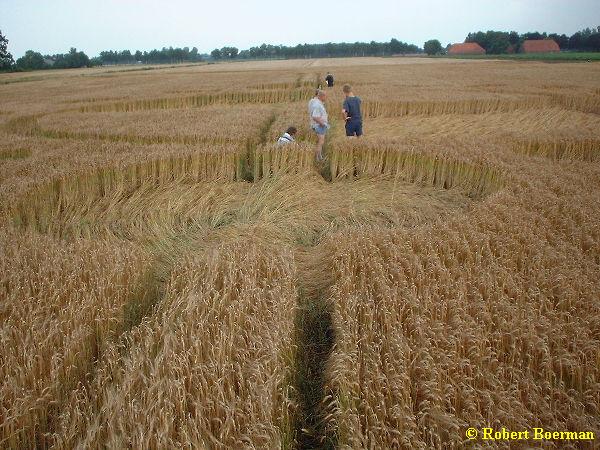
535, 35
125, 57
397, 47
585, 40
494, 42
31, 61
374, 48
78, 59
577, 41
479, 37
499, 43
216, 54
139, 56
6, 59
514, 38
108, 57
433, 47
71, 60
561, 39
593, 42
95, 61
514, 42
231, 52
586, 32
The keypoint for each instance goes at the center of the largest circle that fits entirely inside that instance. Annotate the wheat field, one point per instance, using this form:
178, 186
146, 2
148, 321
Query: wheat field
171, 278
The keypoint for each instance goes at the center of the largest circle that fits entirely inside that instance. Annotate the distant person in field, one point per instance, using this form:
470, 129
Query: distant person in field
318, 120
288, 137
329, 80
351, 111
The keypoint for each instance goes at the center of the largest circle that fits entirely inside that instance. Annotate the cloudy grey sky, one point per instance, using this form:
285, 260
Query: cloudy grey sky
53, 26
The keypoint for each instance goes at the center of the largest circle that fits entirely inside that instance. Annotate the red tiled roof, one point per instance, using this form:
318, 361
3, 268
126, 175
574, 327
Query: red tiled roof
469, 48
540, 46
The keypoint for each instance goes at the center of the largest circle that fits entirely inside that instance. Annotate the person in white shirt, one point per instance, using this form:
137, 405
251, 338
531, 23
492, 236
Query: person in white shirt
318, 120
288, 137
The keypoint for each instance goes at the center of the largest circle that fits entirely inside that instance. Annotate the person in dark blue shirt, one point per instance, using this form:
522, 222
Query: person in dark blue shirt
329, 79
352, 114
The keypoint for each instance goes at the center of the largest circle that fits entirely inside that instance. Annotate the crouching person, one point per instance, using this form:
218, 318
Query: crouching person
288, 137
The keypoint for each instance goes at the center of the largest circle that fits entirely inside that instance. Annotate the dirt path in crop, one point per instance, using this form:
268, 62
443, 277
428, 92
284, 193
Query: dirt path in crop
314, 338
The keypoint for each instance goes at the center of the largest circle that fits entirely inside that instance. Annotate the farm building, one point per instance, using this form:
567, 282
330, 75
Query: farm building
540, 46
468, 48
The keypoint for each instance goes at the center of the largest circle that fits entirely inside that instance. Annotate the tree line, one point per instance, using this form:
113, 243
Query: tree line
164, 56
503, 42
73, 59
494, 42
328, 50
33, 60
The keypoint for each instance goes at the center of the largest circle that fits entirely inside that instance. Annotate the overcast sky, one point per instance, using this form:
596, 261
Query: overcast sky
53, 26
